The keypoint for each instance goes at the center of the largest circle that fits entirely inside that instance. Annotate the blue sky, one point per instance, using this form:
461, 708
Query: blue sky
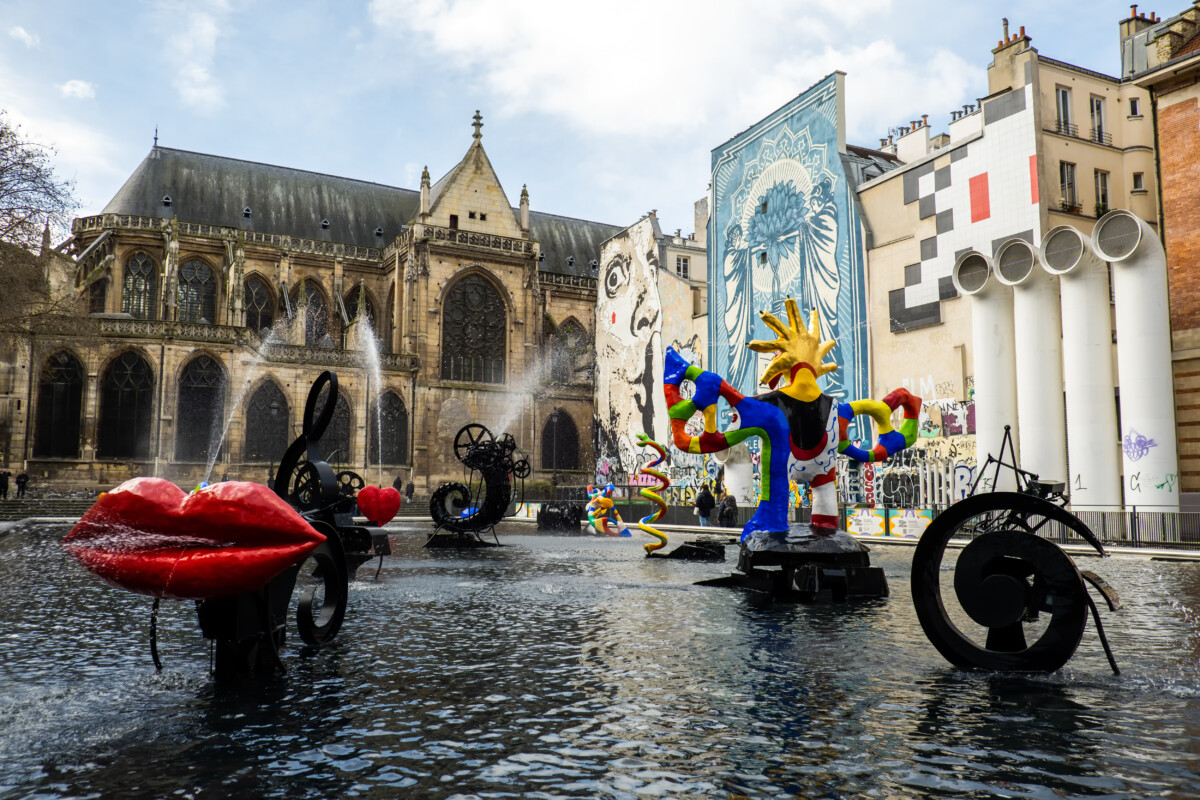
605, 110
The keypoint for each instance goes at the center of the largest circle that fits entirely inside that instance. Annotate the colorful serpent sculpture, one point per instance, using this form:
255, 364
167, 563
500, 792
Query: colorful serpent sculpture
650, 494
602, 511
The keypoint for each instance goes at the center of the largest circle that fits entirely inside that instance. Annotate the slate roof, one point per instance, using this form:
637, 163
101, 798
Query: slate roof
215, 190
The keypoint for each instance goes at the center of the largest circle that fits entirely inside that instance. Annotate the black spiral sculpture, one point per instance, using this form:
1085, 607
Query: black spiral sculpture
249, 629
474, 507
1026, 601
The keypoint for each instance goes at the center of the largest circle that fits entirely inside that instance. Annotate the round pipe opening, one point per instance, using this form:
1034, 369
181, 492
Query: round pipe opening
1062, 249
1014, 261
971, 272
1117, 235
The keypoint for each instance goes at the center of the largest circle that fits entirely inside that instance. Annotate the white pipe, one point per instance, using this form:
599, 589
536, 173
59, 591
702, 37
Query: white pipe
1144, 372
993, 360
1038, 339
1092, 436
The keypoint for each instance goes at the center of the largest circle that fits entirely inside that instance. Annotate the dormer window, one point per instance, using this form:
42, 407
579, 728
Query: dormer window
541, 257
166, 201
570, 261
379, 232
246, 212
324, 224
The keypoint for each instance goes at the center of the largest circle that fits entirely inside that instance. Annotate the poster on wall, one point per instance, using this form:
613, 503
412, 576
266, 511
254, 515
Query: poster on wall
784, 224
908, 523
867, 521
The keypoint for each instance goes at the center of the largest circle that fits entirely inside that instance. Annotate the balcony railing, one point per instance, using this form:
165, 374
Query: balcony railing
1066, 128
1101, 136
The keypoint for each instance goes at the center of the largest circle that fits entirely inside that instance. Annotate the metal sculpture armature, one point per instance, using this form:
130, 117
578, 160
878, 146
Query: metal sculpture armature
1007, 577
470, 509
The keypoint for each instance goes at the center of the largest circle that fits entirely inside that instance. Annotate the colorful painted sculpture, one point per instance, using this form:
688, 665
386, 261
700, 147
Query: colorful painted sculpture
602, 512
802, 429
651, 494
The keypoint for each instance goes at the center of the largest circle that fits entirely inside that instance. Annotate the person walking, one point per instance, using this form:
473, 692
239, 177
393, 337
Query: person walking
705, 503
4, 475
409, 490
22, 482
727, 517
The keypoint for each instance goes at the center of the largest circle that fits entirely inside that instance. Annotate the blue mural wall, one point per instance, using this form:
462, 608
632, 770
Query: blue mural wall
784, 223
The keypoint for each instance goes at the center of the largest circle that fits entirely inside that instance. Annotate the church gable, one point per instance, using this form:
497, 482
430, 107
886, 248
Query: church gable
470, 196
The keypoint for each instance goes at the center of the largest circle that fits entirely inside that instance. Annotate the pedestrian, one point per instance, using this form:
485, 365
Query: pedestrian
22, 482
705, 503
4, 474
727, 517
398, 485
225, 478
409, 490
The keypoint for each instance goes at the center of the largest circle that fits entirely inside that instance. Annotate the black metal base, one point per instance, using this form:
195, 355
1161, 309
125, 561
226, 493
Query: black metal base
565, 517
696, 551
456, 540
800, 566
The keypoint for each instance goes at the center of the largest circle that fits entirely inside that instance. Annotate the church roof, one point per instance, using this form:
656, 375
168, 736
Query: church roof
216, 190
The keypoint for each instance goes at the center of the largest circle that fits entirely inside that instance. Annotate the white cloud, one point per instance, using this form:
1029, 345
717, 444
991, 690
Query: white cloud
191, 51
24, 36
659, 71
78, 88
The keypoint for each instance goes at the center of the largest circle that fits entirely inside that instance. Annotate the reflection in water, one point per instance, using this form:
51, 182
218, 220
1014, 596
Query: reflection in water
575, 667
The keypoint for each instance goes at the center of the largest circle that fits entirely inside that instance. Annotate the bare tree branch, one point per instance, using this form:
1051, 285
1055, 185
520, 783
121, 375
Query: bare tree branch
31, 196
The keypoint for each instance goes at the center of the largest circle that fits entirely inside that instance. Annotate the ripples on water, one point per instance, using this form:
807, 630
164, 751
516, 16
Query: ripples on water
574, 667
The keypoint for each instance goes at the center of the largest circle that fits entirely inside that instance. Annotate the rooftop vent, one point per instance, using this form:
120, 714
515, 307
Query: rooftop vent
166, 201
570, 261
1015, 261
1062, 249
541, 257
379, 232
972, 273
1117, 236
324, 224
246, 212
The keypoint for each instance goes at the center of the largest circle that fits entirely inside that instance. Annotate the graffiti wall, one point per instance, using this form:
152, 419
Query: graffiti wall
784, 223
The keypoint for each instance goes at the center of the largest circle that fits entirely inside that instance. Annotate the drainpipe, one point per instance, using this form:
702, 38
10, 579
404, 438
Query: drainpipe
1143, 358
1037, 335
994, 359
1095, 469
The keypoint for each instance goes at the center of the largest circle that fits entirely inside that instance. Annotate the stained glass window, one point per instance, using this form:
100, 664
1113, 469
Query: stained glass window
97, 296
316, 316
139, 293
197, 292
266, 423
59, 407
568, 347
395, 430
201, 409
126, 407
259, 304
335, 442
560, 442
474, 337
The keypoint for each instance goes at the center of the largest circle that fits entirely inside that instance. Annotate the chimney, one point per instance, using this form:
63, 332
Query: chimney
924, 120
1005, 21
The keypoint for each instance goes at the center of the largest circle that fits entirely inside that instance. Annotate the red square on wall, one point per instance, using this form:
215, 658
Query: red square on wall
980, 205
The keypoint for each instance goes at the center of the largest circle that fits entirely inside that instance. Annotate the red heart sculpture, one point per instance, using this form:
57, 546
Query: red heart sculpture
379, 505
149, 537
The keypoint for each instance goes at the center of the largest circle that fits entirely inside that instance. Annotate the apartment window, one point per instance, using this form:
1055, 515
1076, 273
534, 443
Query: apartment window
682, 266
1066, 181
1134, 110
1062, 102
1096, 109
1101, 193
1138, 182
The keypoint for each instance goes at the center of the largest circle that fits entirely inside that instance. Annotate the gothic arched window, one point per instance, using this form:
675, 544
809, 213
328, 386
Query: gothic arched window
266, 423
356, 296
335, 442
560, 442
201, 409
126, 408
474, 324
197, 292
568, 346
139, 292
394, 417
97, 296
259, 303
316, 316
59, 407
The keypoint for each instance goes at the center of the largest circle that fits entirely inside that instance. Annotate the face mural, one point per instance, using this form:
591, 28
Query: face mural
628, 350
784, 224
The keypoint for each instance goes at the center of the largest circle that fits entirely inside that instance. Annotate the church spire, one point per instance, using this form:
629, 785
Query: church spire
477, 124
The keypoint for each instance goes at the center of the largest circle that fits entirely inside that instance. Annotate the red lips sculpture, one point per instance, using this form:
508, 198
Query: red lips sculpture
379, 505
149, 537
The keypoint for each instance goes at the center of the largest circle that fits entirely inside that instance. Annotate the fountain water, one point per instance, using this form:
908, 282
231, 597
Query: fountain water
277, 334
370, 348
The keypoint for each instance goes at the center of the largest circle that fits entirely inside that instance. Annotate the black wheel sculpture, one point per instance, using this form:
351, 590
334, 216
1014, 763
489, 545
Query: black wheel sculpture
328, 575
454, 506
1024, 603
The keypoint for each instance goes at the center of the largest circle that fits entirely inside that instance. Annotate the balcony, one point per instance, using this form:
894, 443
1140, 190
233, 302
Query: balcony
1101, 136
1070, 205
1061, 126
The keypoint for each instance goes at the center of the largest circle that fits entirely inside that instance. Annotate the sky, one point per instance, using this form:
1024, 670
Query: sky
604, 110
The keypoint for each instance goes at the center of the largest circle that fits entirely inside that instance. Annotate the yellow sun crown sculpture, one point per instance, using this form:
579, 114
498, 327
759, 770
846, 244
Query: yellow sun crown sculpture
801, 352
